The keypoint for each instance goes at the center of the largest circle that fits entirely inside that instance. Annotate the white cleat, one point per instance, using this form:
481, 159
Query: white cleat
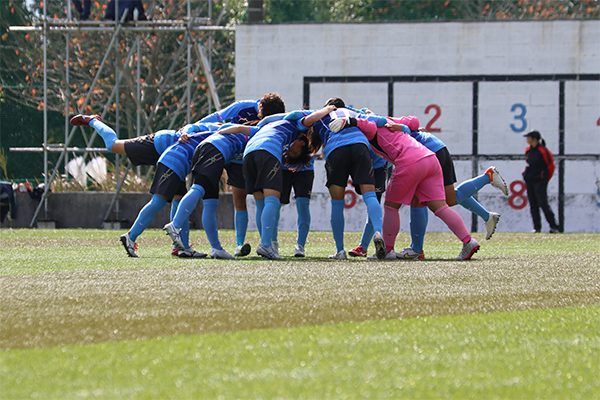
340, 255
173, 233
490, 225
392, 255
468, 250
242, 250
222, 254
191, 253
275, 246
380, 250
409, 254
130, 245
267, 252
496, 180
299, 251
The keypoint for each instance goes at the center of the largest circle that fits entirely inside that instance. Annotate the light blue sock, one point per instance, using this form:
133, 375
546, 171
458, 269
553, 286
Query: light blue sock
269, 219
187, 205
470, 187
419, 216
367, 235
303, 209
241, 226
337, 223
185, 229
473, 205
276, 227
209, 222
106, 133
374, 211
146, 216
260, 205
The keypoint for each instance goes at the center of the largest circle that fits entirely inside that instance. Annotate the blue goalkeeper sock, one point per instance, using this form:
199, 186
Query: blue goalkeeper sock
187, 205
374, 211
269, 219
419, 216
185, 229
367, 235
209, 222
241, 226
337, 223
303, 209
106, 133
260, 205
473, 205
276, 227
146, 216
470, 187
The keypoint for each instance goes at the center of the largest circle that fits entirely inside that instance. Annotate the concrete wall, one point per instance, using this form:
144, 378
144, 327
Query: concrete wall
477, 86
87, 210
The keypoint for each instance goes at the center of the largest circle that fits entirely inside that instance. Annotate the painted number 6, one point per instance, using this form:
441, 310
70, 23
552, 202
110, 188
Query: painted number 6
519, 117
438, 114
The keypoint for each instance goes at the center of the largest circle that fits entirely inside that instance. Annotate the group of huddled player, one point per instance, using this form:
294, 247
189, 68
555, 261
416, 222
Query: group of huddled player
267, 151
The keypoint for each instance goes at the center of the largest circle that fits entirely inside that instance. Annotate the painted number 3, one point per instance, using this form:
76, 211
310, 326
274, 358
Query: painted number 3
518, 195
521, 110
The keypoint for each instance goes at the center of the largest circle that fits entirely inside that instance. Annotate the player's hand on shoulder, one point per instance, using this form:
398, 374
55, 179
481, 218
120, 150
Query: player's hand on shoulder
184, 138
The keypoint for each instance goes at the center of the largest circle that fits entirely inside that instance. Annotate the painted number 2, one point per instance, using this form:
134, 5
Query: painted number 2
438, 114
522, 110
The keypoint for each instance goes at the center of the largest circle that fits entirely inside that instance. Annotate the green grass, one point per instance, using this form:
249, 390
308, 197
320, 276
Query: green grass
82, 320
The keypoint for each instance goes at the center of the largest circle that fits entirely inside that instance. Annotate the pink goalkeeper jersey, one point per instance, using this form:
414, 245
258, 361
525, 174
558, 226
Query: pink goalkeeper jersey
399, 148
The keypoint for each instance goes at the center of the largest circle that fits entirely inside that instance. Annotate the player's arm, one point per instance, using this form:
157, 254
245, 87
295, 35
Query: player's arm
310, 120
394, 124
228, 129
230, 111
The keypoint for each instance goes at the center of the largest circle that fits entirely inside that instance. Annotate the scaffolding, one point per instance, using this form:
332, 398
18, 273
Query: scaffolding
186, 25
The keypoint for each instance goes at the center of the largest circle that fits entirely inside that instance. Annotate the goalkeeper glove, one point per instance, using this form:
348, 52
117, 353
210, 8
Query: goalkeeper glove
341, 123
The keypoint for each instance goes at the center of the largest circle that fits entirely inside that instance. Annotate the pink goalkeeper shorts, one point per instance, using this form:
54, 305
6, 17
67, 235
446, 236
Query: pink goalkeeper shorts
423, 178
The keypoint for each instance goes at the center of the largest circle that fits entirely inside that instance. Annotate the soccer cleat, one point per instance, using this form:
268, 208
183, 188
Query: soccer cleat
267, 252
554, 230
468, 250
358, 251
83, 120
380, 250
242, 250
173, 233
392, 255
490, 225
175, 252
340, 255
130, 245
409, 254
275, 246
191, 253
222, 254
299, 251
496, 180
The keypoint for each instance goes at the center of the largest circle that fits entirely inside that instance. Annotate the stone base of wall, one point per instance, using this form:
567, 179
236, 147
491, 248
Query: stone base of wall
87, 210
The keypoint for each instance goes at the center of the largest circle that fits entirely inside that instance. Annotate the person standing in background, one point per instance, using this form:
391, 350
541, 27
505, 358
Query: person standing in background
537, 173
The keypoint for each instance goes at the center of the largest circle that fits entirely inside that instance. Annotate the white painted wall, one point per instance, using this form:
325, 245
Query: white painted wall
276, 58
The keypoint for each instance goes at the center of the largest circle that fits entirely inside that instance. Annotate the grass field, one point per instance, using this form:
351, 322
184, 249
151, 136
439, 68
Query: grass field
79, 319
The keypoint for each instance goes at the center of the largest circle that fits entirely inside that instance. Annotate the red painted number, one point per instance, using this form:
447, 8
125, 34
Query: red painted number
438, 114
598, 122
518, 195
349, 197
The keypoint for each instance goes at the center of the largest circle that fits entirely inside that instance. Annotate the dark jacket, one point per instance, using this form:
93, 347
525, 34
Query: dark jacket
540, 164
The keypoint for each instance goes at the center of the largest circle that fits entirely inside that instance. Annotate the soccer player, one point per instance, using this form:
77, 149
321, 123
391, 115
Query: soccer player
462, 194
215, 153
416, 172
347, 155
168, 183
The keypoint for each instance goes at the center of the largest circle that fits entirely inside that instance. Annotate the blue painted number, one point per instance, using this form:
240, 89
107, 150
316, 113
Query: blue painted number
519, 117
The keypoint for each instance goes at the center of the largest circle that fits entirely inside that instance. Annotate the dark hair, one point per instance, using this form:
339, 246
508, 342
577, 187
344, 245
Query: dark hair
335, 101
312, 144
271, 103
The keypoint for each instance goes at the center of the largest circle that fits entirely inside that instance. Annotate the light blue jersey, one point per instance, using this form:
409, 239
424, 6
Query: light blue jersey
178, 156
378, 162
232, 146
276, 137
428, 140
345, 137
200, 126
247, 109
164, 139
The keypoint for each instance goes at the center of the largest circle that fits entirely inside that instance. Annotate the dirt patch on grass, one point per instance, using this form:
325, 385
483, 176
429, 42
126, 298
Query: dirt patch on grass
61, 308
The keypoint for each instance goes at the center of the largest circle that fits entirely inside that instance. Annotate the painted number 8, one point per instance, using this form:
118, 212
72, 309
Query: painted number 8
517, 194
519, 117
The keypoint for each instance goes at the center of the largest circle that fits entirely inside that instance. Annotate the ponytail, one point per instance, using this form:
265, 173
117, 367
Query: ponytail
543, 142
